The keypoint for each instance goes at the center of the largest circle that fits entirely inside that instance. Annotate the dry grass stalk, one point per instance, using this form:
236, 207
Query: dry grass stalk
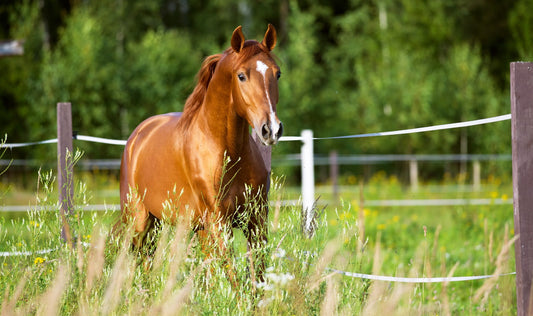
361, 219
501, 263
159, 256
8, 305
444, 294
277, 208
491, 245
178, 250
377, 289
122, 272
331, 299
325, 259
96, 259
48, 303
94, 269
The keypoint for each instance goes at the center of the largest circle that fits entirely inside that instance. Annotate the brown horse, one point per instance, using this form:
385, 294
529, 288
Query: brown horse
201, 164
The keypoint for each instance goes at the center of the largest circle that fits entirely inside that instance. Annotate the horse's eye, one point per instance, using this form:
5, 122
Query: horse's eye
278, 75
241, 77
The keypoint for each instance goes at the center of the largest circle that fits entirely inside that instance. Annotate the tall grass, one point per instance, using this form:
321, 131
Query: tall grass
101, 275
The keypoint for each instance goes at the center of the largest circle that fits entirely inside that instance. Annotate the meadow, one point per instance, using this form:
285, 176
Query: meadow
101, 275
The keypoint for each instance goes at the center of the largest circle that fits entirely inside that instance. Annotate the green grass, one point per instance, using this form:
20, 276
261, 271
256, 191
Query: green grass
392, 241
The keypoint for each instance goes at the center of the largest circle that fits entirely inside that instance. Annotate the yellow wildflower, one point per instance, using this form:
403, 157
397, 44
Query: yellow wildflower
38, 260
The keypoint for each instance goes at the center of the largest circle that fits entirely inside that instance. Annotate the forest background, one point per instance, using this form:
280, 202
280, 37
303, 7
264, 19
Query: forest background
348, 67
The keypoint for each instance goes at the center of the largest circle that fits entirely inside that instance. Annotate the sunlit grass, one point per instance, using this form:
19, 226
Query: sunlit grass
100, 274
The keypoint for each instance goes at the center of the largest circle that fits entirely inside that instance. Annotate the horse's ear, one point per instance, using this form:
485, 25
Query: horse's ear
269, 41
237, 39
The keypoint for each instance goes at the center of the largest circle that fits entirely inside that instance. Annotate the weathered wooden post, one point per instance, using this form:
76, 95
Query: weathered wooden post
334, 174
413, 174
65, 167
308, 180
522, 143
476, 175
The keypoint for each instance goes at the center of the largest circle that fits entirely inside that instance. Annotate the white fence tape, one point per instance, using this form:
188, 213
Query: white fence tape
428, 128
17, 145
101, 140
298, 138
417, 280
349, 274
25, 253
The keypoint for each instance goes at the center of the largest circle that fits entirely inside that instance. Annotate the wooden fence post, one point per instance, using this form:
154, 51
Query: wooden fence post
476, 175
308, 180
334, 174
413, 174
522, 149
64, 167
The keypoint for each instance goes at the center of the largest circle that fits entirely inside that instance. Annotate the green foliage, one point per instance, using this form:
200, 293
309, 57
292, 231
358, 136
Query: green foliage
521, 25
348, 68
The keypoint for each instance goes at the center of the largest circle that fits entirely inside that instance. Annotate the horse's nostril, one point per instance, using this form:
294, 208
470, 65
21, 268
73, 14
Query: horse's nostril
280, 131
265, 131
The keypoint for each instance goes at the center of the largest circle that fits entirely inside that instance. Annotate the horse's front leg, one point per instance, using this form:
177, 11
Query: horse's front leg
256, 235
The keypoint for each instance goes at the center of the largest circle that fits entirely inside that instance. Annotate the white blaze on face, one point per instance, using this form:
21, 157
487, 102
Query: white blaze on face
262, 68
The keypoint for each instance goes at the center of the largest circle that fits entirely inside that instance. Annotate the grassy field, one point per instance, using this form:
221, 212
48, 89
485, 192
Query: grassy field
100, 275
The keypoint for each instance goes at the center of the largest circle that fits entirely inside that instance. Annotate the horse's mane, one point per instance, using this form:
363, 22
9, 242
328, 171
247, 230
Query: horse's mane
194, 101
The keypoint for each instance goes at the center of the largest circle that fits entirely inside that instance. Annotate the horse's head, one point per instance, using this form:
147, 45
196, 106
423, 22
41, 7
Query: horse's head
255, 77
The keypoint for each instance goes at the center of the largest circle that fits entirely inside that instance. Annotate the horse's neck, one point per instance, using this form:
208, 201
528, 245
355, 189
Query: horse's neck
220, 118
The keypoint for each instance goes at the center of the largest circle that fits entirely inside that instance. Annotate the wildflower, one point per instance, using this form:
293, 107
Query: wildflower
333, 222
279, 253
265, 286
38, 260
381, 226
34, 224
396, 218
494, 194
281, 279
505, 197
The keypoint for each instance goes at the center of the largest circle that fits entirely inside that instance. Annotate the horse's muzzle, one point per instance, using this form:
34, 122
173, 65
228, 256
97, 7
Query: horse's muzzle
270, 133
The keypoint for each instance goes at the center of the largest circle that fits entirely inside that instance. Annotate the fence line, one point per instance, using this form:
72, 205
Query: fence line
294, 159
110, 141
427, 129
18, 145
417, 280
373, 203
101, 140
